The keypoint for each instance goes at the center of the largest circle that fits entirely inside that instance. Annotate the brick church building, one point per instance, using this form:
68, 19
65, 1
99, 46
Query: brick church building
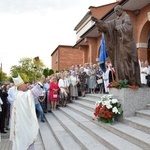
86, 48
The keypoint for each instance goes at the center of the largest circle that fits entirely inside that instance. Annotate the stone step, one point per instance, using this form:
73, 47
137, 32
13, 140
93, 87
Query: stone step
138, 123
38, 144
82, 111
109, 139
148, 106
48, 139
136, 136
88, 106
87, 141
64, 139
143, 114
88, 100
133, 135
91, 98
95, 96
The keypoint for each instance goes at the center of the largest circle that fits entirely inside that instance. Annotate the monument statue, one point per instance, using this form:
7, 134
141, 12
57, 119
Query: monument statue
120, 46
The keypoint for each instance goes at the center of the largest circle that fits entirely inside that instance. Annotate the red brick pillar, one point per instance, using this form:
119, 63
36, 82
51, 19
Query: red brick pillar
92, 47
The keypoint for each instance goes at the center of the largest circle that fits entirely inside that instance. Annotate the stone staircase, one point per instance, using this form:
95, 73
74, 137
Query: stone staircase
73, 127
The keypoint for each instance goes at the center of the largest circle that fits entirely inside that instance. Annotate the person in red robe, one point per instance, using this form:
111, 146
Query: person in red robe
54, 93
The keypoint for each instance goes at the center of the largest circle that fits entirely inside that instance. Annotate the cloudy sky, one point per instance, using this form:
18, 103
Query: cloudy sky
30, 28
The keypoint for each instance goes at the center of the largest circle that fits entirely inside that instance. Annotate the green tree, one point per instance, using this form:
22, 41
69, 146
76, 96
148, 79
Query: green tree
28, 68
48, 72
51, 71
3, 77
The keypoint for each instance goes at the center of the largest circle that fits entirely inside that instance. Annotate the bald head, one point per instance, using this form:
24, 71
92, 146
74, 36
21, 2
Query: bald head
118, 10
22, 87
118, 7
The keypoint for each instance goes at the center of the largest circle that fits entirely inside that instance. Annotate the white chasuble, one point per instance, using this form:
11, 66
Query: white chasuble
24, 125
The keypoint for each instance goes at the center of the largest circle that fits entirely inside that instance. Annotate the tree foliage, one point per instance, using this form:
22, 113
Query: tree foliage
48, 72
28, 68
3, 76
51, 71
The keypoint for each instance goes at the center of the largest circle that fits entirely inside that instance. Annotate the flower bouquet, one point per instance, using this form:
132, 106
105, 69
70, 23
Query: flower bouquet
107, 109
121, 84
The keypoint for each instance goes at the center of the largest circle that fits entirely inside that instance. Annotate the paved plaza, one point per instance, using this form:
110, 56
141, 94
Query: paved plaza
6, 144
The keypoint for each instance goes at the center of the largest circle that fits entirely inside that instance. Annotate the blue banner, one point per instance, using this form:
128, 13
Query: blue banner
102, 54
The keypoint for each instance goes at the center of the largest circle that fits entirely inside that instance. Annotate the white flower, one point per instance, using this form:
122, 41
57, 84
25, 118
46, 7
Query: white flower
114, 101
110, 96
108, 105
115, 110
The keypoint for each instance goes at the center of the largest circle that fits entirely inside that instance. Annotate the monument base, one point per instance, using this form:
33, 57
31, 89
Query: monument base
131, 99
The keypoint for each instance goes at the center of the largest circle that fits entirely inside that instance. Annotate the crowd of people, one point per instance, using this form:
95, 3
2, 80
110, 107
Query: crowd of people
58, 89
61, 88
22, 103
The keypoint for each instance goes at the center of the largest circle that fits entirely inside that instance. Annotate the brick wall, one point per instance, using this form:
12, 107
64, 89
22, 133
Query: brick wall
55, 62
67, 56
141, 21
100, 11
141, 30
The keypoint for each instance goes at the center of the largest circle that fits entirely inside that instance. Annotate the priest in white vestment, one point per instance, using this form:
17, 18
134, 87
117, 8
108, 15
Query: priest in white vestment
24, 125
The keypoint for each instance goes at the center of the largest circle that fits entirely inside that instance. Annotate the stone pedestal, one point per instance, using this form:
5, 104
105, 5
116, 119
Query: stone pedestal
131, 99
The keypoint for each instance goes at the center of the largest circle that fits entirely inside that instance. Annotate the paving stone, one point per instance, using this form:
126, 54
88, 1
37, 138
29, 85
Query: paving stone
6, 144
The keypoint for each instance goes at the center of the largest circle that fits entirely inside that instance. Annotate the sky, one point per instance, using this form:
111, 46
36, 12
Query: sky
30, 28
